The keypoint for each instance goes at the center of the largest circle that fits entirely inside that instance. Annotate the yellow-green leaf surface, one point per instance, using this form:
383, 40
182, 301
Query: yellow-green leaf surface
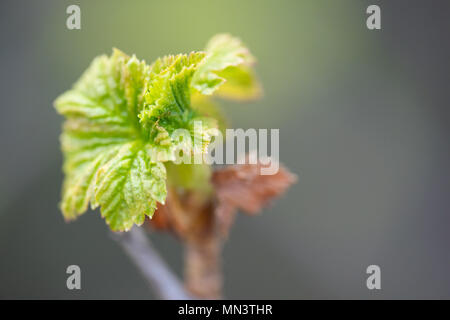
121, 116
228, 62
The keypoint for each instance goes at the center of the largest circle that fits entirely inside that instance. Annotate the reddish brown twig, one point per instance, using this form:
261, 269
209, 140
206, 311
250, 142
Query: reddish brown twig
203, 223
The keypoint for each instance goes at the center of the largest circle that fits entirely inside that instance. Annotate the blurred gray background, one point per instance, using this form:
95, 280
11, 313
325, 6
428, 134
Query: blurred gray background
364, 123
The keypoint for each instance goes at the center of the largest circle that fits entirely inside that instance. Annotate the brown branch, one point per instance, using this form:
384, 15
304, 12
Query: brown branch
202, 267
190, 217
202, 223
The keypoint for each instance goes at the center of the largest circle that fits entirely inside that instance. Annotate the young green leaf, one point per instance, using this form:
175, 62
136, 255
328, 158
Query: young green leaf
228, 62
122, 117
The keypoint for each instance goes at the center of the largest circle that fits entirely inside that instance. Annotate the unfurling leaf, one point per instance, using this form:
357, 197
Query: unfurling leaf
227, 62
121, 116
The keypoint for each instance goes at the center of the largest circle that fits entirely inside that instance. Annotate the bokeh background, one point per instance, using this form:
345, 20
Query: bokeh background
364, 123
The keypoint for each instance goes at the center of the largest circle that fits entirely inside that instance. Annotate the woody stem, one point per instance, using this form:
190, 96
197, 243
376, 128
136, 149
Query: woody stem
203, 274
